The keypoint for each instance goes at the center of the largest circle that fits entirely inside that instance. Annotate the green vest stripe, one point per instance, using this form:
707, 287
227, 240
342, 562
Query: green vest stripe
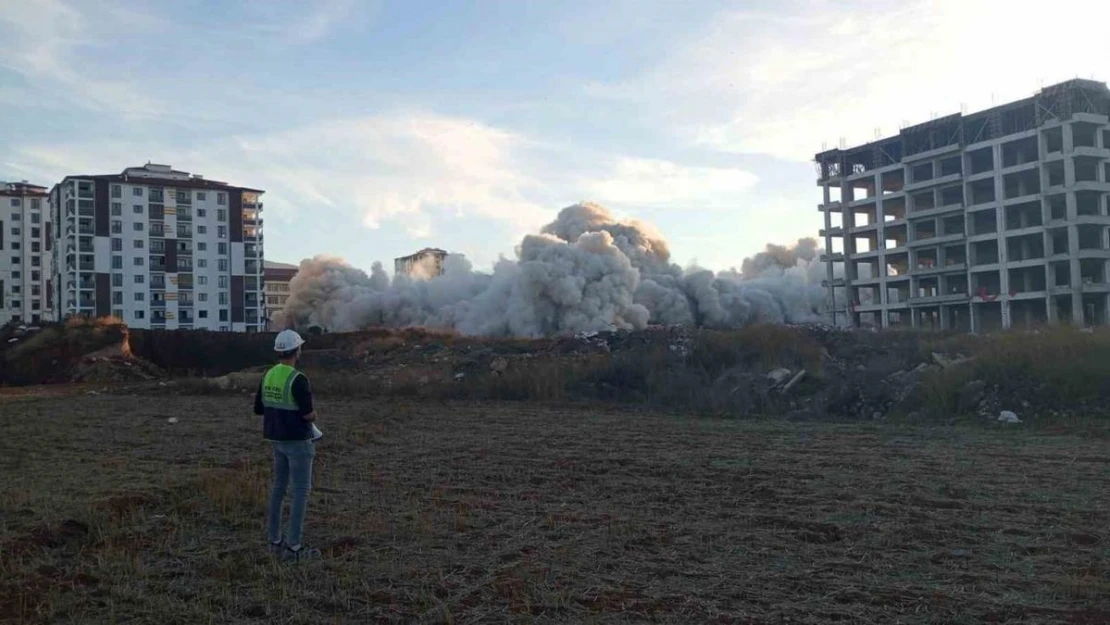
277, 387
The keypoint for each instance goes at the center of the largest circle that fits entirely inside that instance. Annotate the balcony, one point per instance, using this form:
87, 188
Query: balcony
86, 266
83, 229
251, 267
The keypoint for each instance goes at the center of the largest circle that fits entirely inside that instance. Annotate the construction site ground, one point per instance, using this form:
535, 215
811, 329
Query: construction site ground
150, 509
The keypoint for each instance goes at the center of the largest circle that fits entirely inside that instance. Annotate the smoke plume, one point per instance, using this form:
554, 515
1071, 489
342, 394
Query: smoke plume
586, 271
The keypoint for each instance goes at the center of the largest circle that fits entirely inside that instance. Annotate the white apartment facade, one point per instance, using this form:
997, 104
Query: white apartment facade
159, 248
25, 258
975, 222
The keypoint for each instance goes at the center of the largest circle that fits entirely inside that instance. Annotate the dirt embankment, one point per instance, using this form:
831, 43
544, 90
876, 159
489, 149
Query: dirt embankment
798, 372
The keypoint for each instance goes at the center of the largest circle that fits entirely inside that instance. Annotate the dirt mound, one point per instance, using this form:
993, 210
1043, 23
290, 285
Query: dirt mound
79, 350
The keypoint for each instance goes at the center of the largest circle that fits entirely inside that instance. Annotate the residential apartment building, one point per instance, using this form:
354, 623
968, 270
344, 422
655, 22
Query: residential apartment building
25, 246
278, 276
159, 248
974, 222
426, 263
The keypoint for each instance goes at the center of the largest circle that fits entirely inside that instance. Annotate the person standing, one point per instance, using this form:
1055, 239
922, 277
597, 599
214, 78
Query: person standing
284, 399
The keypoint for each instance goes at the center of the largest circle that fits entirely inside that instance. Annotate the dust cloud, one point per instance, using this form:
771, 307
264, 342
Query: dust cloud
586, 271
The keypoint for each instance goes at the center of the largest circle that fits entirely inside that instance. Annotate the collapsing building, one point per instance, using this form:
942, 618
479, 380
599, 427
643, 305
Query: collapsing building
975, 222
426, 263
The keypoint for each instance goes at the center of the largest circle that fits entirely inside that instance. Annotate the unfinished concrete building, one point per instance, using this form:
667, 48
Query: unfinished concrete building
975, 222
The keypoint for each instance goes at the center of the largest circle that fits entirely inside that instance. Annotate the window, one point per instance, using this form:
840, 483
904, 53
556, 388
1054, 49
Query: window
202, 246
16, 260
17, 304
221, 249
36, 218
117, 226
35, 276
16, 216
36, 233
137, 209
16, 246
139, 244
36, 204
202, 280
16, 202
117, 191
139, 261
16, 275
222, 264
204, 314
202, 263
117, 262
16, 289
139, 314
117, 313
36, 247
36, 261
223, 317
221, 198
117, 209
138, 226
202, 297
140, 278
15, 232
117, 245
35, 305
117, 279
137, 192
140, 296
36, 290
201, 213
223, 300
117, 298
202, 230
201, 196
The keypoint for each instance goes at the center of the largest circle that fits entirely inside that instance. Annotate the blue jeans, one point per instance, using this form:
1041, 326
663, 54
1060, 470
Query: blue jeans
291, 458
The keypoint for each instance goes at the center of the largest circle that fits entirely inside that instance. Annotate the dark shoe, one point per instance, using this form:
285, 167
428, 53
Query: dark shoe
300, 554
277, 548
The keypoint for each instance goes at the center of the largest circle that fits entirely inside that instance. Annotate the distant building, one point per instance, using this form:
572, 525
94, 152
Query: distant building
25, 245
278, 276
158, 248
975, 222
426, 263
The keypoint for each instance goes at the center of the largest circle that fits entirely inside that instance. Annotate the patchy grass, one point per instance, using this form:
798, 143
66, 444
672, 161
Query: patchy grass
453, 512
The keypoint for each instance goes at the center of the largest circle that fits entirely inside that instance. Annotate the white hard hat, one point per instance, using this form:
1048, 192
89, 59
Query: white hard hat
287, 341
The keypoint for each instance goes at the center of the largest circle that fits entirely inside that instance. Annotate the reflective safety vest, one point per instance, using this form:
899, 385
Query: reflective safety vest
277, 387
281, 417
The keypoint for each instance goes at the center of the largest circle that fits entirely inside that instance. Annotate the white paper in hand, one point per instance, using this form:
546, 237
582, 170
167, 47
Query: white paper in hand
316, 433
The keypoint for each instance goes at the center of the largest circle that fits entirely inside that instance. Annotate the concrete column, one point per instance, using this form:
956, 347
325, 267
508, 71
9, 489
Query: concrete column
1050, 309
1073, 264
1000, 224
829, 295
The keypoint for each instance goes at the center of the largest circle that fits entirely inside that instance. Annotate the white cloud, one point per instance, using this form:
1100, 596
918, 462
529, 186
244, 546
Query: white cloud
308, 22
660, 182
813, 72
413, 170
45, 40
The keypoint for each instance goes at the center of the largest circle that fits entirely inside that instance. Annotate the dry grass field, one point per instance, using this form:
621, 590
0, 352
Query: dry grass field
475, 512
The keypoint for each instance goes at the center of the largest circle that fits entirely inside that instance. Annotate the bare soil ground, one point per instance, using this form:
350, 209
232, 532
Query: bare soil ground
514, 512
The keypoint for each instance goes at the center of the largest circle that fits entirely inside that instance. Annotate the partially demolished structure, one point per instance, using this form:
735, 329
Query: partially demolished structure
975, 222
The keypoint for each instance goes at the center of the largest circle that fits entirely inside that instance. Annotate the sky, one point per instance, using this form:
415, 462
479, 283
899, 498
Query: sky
380, 127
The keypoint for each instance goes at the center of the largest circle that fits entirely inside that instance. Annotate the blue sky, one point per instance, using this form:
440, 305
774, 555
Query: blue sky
380, 127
